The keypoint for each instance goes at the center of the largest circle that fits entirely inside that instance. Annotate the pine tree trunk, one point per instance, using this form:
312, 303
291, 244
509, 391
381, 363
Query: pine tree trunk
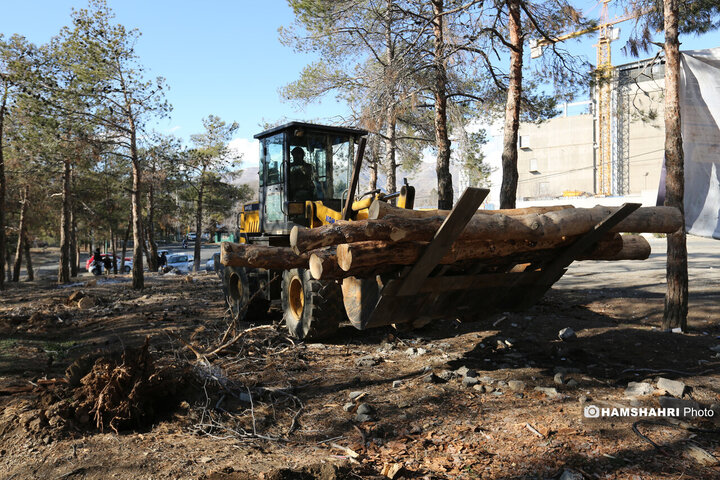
390, 114
442, 168
124, 245
74, 254
3, 108
198, 223
152, 246
508, 189
113, 246
138, 278
373, 165
676, 297
64, 266
28, 261
390, 150
7, 262
22, 234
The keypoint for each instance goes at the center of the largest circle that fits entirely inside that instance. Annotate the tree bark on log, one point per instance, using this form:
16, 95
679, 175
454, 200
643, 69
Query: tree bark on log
260, 256
372, 253
498, 227
324, 266
354, 256
380, 209
621, 247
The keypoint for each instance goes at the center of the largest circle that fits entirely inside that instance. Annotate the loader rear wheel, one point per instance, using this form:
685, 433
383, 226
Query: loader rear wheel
237, 291
241, 292
312, 309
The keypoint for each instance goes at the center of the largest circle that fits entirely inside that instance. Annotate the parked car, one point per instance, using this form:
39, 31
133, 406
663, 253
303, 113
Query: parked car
191, 236
214, 265
181, 262
128, 263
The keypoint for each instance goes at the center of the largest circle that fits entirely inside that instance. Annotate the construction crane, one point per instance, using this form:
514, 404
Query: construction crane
603, 75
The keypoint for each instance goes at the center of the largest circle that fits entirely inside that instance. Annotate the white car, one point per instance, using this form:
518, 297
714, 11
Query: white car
181, 262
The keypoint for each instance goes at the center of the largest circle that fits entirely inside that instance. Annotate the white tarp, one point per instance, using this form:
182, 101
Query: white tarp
700, 116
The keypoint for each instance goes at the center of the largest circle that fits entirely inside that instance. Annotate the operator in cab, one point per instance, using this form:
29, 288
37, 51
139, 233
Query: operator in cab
301, 183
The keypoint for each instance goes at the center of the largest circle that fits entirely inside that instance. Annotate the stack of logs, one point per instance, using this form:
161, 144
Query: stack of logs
392, 237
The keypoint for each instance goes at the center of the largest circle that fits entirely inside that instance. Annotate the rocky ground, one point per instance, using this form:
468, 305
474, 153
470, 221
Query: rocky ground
98, 381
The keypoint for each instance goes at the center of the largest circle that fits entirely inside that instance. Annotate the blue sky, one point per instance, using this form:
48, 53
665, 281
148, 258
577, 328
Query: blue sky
223, 57
219, 57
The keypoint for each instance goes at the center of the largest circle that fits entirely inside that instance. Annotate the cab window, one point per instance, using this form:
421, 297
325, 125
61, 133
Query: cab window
271, 155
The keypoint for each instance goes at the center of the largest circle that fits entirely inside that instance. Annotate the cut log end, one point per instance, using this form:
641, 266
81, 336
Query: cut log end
294, 233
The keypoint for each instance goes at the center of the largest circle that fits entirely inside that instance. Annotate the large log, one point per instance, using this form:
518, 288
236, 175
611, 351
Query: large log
499, 227
634, 247
354, 256
379, 209
260, 256
323, 264
325, 267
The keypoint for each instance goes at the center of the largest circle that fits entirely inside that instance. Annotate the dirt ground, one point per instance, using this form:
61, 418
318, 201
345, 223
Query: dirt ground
452, 400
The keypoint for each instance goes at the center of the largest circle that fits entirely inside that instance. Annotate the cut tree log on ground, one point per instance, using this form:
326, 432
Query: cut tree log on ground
552, 225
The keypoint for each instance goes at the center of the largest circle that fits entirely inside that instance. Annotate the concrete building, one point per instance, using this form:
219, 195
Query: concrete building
558, 161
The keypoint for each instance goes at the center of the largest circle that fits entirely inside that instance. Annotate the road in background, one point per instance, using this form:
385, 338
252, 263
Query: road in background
45, 261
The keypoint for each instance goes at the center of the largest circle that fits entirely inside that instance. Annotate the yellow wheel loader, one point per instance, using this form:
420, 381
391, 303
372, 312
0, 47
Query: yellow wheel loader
308, 177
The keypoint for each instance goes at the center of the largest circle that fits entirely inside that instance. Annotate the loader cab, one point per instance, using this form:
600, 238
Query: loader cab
301, 162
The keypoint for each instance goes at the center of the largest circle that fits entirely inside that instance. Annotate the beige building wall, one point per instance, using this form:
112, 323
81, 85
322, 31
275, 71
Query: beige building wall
647, 139
555, 156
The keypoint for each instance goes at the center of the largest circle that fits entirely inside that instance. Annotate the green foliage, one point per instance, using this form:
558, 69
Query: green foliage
694, 17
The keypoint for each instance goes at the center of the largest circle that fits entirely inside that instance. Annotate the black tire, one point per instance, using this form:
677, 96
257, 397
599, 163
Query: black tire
237, 291
240, 295
127, 269
312, 309
96, 271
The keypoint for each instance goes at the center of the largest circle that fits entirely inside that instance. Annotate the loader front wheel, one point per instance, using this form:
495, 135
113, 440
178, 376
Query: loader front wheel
312, 309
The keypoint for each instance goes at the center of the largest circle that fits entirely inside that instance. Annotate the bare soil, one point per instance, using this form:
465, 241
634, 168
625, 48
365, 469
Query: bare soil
144, 397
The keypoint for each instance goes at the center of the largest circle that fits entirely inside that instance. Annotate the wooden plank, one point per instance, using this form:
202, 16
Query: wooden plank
446, 235
355, 179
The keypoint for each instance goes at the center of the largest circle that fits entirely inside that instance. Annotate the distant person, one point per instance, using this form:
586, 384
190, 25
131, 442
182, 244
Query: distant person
162, 260
97, 262
107, 263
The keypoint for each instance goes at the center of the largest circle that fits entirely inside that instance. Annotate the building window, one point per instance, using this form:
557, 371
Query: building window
533, 166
